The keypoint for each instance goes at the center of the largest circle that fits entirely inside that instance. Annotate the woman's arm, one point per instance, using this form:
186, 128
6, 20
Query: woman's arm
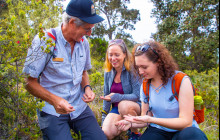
106, 104
124, 125
134, 94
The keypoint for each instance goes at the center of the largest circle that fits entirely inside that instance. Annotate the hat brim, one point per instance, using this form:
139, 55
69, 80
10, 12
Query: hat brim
92, 20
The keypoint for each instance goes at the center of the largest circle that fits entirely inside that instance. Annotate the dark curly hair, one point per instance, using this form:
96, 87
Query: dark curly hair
158, 53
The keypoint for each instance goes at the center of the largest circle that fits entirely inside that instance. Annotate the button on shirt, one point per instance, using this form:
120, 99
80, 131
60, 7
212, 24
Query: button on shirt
60, 78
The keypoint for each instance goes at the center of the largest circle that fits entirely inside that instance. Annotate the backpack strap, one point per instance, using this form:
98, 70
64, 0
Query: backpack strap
146, 88
53, 36
194, 91
176, 82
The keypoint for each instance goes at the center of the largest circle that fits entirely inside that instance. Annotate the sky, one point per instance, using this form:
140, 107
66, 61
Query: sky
145, 26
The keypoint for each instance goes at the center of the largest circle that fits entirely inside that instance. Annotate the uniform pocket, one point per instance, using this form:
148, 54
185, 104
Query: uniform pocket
43, 119
81, 64
57, 64
53, 67
43, 114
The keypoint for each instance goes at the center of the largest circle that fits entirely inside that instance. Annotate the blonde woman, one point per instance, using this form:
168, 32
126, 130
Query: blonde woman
121, 89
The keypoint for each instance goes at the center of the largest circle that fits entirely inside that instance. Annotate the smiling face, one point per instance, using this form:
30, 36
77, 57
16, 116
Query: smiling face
82, 31
77, 32
146, 68
116, 56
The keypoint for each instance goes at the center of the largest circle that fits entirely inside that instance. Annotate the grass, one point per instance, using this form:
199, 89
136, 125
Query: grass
211, 124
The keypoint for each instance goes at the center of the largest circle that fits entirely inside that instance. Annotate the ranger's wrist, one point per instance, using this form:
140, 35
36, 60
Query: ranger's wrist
84, 89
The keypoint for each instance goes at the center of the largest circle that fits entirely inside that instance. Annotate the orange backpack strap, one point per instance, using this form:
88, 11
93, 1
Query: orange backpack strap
176, 82
146, 87
51, 35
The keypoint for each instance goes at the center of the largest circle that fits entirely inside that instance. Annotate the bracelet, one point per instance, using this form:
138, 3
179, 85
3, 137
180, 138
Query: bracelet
87, 86
103, 111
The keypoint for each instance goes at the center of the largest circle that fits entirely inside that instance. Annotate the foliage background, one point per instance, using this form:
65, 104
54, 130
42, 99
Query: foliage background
190, 30
196, 33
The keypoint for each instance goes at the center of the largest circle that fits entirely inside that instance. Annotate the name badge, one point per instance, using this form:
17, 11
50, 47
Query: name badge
58, 59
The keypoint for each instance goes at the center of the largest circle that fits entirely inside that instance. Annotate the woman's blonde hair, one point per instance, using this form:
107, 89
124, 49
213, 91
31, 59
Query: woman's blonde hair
127, 61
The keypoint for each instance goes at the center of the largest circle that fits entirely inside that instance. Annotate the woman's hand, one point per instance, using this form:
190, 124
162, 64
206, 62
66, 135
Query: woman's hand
108, 97
123, 125
138, 119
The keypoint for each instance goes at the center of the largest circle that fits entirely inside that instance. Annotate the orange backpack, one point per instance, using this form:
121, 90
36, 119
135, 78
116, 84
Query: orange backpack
176, 82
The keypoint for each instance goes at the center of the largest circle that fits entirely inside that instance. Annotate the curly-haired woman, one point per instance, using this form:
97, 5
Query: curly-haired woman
165, 117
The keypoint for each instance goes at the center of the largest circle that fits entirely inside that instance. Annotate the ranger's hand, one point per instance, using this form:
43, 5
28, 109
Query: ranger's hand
62, 106
89, 95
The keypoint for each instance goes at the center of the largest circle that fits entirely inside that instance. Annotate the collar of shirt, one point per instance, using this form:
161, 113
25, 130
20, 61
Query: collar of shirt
62, 40
60, 36
123, 69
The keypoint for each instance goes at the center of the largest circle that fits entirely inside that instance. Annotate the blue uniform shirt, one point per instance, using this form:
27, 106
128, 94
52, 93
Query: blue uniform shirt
60, 78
